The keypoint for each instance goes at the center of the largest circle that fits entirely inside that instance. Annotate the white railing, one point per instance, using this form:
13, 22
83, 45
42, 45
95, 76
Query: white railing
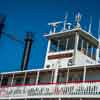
66, 90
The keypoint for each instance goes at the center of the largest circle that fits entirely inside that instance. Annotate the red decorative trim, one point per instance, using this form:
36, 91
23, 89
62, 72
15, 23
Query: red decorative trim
48, 83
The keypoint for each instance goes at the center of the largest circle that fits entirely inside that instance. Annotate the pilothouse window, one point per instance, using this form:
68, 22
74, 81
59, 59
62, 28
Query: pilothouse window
62, 44
53, 46
71, 41
87, 47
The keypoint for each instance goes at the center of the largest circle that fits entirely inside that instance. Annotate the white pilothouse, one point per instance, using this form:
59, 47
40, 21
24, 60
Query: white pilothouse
71, 69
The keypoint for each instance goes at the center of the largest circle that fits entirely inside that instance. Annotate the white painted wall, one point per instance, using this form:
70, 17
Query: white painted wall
54, 63
82, 59
58, 62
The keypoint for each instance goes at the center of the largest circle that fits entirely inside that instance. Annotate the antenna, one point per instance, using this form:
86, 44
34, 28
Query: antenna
99, 31
78, 19
54, 24
98, 48
65, 21
90, 25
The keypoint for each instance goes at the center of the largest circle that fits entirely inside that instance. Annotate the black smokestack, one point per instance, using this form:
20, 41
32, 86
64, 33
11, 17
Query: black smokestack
2, 21
27, 50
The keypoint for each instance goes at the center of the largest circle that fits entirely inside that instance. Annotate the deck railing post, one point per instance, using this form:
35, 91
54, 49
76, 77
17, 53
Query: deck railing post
84, 73
12, 82
12, 79
66, 43
1, 80
55, 75
52, 76
37, 78
67, 75
24, 78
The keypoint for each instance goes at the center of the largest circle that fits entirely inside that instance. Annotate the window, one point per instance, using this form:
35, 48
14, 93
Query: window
5, 81
89, 50
53, 46
71, 43
75, 76
45, 77
94, 53
80, 43
62, 76
86, 47
62, 44
27, 81
19, 81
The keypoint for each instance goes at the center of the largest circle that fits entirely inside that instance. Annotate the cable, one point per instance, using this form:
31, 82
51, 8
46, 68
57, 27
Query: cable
12, 37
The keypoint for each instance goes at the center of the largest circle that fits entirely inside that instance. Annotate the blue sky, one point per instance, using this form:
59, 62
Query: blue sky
34, 15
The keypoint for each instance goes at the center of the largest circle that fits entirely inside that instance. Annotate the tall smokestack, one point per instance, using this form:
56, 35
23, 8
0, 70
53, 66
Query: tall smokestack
2, 21
27, 50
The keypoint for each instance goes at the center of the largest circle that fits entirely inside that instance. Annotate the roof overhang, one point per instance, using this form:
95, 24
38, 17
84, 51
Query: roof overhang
72, 32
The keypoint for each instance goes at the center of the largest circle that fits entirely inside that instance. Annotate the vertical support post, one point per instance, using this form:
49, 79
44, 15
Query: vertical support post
46, 57
55, 75
1, 80
67, 75
24, 78
87, 49
58, 45
12, 83
12, 79
54, 28
75, 47
84, 74
52, 76
82, 43
37, 78
98, 48
91, 51
97, 54
66, 44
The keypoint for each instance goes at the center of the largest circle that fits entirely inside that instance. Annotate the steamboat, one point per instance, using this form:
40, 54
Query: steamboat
71, 69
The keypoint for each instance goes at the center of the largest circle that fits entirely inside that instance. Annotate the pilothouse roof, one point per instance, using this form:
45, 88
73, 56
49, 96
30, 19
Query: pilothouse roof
72, 32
